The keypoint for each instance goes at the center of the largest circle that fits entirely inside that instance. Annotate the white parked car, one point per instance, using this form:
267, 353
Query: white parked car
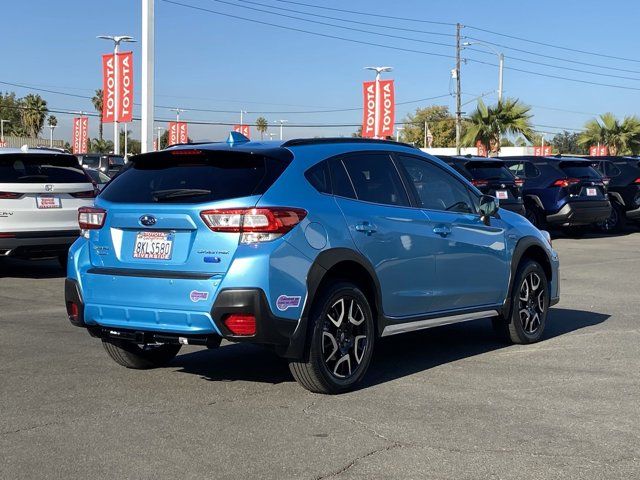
40, 193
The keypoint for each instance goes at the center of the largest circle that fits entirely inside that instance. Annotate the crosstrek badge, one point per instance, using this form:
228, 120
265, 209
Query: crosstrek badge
284, 301
197, 296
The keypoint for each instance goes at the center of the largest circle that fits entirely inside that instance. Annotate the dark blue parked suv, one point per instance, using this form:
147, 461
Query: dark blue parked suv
624, 189
315, 248
561, 191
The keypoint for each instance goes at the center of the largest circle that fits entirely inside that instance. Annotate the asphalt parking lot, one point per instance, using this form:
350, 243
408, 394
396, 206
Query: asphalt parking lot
447, 403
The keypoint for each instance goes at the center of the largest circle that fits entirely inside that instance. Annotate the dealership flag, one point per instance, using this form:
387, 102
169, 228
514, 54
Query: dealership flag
379, 109
243, 130
542, 151
178, 133
369, 113
598, 150
80, 135
123, 112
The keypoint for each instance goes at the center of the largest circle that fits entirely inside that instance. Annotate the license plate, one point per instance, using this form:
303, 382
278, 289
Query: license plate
502, 194
591, 192
48, 201
153, 245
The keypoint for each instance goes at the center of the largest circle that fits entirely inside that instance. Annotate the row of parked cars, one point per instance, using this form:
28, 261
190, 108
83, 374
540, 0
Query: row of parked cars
560, 191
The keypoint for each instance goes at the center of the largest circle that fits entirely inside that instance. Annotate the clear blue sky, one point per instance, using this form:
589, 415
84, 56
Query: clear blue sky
209, 61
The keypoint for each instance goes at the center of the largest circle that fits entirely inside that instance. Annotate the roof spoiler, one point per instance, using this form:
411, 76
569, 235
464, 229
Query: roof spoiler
236, 137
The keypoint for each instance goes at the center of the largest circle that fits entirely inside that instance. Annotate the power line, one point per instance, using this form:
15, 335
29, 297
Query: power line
432, 22
550, 44
335, 37
333, 25
379, 25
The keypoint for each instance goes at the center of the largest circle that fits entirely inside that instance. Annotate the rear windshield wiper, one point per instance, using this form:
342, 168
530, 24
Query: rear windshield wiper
170, 194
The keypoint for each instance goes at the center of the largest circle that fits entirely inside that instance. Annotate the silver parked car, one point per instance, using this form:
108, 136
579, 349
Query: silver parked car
40, 193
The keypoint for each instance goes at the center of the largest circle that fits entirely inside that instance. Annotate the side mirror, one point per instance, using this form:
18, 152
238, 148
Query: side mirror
488, 208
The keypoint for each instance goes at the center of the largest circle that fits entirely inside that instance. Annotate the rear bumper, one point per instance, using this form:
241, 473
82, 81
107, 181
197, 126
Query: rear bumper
581, 213
170, 326
633, 214
37, 244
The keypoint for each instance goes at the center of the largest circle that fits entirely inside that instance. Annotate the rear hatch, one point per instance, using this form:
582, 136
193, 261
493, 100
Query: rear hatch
154, 232
494, 178
41, 192
582, 182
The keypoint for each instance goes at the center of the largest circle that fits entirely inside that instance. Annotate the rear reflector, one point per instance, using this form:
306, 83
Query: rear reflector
519, 182
91, 218
86, 194
10, 195
73, 311
256, 224
7, 235
241, 323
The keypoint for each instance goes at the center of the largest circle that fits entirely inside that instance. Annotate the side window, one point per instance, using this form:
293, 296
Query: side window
611, 170
318, 176
517, 169
530, 170
375, 179
436, 188
340, 180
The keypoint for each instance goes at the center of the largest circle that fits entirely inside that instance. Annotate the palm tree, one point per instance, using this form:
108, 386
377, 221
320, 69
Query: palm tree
34, 114
97, 104
620, 137
487, 124
52, 121
261, 125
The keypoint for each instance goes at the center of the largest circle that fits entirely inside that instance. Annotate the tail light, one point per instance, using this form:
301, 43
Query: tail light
479, 183
637, 181
86, 194
91, 218
519, 182
7, 235
565, 182
255, 224
241, 323
10, 195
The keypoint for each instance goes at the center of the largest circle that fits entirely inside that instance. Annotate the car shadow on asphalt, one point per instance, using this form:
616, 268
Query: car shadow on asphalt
394, 357
16, 268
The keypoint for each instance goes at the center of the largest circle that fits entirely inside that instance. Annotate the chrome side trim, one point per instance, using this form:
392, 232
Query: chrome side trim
436, 322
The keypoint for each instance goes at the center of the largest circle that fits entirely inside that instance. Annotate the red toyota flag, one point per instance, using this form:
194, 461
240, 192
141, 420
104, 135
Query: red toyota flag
173, 134
243, 129
80, 135
603, 151
108, 89
547, 150
482, 149
183, 136
537, 151
386, 109
369, 112
125, 87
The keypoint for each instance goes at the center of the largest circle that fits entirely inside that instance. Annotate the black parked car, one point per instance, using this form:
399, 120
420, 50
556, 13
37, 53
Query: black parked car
561, 191
109, 164
624, 189
491, 177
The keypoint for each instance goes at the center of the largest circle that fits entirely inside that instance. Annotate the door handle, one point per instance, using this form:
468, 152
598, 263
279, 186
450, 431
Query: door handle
442, 230
365, 227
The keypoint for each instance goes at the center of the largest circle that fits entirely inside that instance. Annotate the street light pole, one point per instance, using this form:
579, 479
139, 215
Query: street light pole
398, 130
378, 71
52, 127
500, 56
148, 47
458, 92
159, 137
178, 112
282, 122
116, 39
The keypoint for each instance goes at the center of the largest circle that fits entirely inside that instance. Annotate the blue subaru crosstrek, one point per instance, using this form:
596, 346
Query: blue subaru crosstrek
316, 248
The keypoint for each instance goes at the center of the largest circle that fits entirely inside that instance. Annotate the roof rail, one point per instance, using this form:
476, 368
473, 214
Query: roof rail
329, 140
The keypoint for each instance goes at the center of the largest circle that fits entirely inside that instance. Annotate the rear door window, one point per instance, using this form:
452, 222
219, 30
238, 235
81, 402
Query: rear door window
193, 178
318, 176
375, 179
41, 168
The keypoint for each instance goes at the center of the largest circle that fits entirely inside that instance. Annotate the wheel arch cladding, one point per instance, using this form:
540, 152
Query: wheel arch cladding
331, 265
527, 248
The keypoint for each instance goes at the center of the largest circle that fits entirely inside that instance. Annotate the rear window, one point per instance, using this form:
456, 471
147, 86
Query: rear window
41, 168
92, 161
116, 161
489, 171
579, 170
201, 178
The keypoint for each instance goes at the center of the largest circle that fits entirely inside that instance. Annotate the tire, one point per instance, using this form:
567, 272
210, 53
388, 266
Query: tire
132, 355
336, 340
615, 222
534, 215
522, 326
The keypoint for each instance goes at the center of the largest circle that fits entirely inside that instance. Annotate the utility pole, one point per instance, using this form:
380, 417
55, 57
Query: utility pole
148, 47
458, 92
178, 112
